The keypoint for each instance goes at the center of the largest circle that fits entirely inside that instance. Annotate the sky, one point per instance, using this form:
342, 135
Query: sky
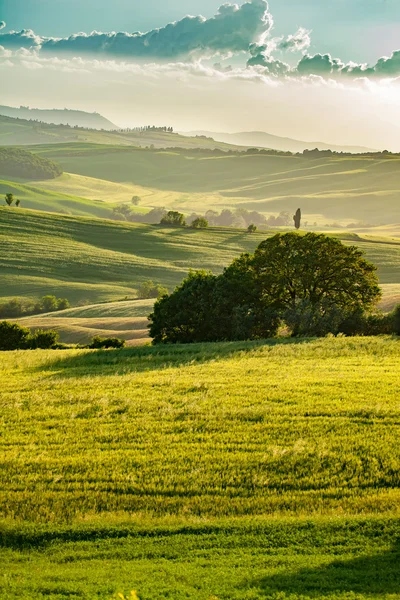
312, 69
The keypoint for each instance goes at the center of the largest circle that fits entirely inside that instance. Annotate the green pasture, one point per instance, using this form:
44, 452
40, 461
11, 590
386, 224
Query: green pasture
258, 470
353, 189
94, 260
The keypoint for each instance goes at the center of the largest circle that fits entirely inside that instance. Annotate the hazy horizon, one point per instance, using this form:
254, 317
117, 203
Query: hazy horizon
321, 73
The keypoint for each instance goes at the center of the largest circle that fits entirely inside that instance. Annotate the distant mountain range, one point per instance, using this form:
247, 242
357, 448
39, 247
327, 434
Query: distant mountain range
261, 139
59, 117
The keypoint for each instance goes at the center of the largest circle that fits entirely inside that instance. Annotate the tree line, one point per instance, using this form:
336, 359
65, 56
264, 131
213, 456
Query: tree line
239, 218
305, 285
22, 307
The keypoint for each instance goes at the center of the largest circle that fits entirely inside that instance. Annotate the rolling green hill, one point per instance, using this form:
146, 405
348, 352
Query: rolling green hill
98, 260
352, 189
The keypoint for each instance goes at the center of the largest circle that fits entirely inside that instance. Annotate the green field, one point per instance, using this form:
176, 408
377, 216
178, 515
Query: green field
353, 189
94, 260
126, 320
232, 471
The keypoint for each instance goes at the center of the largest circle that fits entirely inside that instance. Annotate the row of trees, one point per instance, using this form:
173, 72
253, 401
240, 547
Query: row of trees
238, 219
15, 162
312, 285
22, 307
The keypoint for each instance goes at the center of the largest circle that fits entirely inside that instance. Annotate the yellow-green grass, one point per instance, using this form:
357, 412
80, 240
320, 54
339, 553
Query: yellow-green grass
205, 430
96, 260
53, 198
353, 189
125, 320
81, 331
266, 470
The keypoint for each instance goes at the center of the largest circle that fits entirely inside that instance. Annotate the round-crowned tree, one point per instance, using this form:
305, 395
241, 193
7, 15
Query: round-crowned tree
291, 268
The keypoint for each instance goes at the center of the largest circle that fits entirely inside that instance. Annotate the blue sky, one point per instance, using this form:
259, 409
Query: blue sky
359, 30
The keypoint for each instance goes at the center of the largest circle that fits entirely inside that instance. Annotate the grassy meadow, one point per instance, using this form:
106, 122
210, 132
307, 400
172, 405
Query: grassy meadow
258, 470
332, 189
94, 260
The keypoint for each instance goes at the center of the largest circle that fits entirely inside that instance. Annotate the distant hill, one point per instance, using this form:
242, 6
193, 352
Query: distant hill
260, 139
59, 117
17, 131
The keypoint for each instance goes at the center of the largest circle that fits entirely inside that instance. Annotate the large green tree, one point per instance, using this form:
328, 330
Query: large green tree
312, 282
290, 268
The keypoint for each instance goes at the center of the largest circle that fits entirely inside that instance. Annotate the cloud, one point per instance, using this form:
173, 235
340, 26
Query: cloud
2, 24
324, 64
230, 31
319, 64
20, 39
298, 42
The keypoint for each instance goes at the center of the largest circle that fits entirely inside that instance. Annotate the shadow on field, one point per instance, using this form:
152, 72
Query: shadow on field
148, 358
370, 575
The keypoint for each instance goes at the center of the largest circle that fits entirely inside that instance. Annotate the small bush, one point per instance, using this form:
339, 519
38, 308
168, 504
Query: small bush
149, 289
13, 336
174, 219
42, 339
396, 320
199, 223
360, 323
99, 343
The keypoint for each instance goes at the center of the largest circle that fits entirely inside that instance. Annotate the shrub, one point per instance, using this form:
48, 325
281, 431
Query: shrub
314, 320
199, 223
173, 218
149, 289
13, 336
99, 343
43, 339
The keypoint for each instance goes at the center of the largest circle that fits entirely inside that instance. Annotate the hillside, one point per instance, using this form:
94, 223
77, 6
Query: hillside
125, 320
345, 189
95, 260
58, 116
20, 132
261, 139
257, 471
16, 162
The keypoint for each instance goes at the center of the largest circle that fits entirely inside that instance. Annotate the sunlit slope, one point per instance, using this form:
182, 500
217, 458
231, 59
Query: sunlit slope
356, 188
55, 198
96, 260
126, 320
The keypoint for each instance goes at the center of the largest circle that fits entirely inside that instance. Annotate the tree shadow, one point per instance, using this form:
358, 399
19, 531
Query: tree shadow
369, 575
150, 358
